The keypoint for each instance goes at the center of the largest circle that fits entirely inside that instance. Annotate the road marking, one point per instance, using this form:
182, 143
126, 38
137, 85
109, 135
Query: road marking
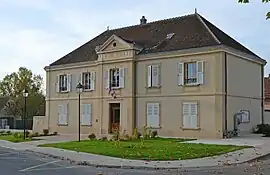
3, 154
13, 158
26, 169
56, 168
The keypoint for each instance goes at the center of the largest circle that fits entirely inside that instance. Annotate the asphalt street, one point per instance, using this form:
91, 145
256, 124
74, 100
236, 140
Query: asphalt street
26, 163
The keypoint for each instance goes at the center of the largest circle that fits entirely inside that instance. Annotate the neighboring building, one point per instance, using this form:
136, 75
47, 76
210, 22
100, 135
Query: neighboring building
267, 100
267, 91
6, 119
182, 76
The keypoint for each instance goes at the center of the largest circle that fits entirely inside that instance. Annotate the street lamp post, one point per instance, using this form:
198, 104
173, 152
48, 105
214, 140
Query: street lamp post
25, 95
79, 90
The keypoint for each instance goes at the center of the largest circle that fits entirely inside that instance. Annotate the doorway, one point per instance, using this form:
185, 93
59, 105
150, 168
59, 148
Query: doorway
114, 117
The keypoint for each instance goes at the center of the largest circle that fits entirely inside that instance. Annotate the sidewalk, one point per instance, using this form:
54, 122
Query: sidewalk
236, 157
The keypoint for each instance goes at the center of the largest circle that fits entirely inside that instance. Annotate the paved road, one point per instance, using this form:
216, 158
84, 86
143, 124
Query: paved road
25, 163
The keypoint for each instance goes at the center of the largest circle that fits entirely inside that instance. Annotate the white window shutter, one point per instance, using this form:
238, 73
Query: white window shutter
149, 73
186, 115
58, 83
200, 72
193, 115
107, 79
90, 114
155, 75
65, 114
60, 114
87, 114
149, 114
80, 78
93, 80
69, 81
156, 115
180, 74
83, 114
122, 77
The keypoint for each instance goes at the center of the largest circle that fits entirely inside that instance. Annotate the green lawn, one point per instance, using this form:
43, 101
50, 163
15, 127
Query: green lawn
154, 149
11, 138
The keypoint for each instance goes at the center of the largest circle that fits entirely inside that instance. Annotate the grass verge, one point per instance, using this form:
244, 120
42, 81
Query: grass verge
152, 149
11, 138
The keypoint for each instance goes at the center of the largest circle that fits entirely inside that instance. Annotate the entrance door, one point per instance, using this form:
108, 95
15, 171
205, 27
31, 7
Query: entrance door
114, 117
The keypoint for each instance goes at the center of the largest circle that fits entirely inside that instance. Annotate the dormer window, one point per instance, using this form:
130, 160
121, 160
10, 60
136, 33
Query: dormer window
169, 36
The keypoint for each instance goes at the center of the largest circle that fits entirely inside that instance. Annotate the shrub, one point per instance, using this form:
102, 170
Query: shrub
18, 135
45, 132
92, 136
104, 138
36, 134
260, 128
154, 134
145, 133
135, 134
266, 131
2, 132
125, 136
116, 134
8, 132
27, 133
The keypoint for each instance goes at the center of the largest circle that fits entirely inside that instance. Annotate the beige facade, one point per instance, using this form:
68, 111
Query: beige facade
169, 98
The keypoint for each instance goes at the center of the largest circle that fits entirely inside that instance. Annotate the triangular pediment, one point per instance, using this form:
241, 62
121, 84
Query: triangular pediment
114, 43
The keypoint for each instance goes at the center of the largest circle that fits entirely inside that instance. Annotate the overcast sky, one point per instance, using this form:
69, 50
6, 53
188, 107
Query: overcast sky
34, 33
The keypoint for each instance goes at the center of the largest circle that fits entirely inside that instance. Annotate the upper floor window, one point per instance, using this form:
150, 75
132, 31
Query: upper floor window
88, 80
191, 73
63, 83
115, 78
153, 73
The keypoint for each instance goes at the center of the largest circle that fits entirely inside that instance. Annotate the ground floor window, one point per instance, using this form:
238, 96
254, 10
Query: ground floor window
63, 114
153, 116
190, 115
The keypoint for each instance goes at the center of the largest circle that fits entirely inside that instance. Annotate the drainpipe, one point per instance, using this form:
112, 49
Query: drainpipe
102, 93
134, 91
226, 93
262, 93
48, 84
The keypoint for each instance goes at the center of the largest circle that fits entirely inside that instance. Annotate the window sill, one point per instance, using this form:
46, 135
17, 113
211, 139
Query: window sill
192, 84
86, 125
245, 122
151, 127
116, 88
153, 87
88, 90
192, 129
63, 92
62, 124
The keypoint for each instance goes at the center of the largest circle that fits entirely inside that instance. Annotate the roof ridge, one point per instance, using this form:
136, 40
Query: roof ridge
161, 20
209, 30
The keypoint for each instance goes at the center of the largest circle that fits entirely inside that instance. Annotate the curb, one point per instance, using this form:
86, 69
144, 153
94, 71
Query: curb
86, 163
143, 166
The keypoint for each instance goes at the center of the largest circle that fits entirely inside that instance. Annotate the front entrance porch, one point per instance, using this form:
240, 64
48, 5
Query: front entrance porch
114, 117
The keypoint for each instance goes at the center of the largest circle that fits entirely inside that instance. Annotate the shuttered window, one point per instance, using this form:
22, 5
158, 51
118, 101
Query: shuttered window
63, 114
86, 117
153, 115
190, 115
190, 73
63, 83
153, 77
